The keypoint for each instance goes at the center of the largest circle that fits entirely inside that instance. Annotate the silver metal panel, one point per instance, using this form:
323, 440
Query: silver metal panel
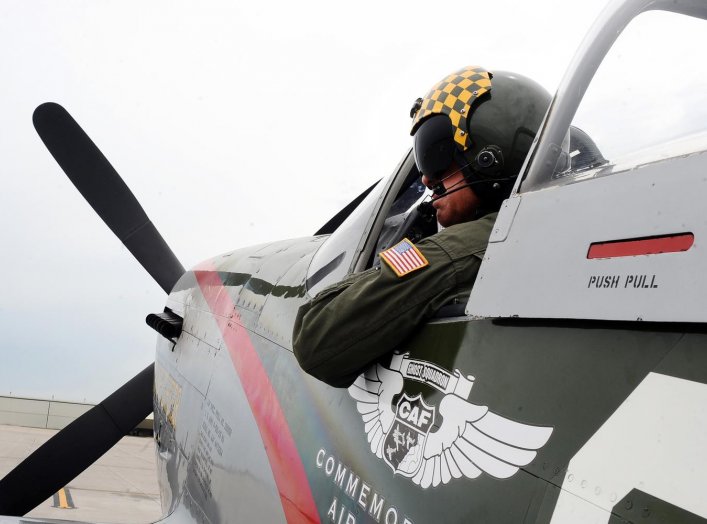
240, 486
196, 359
506, 215
176, 301
541, 270
278, 313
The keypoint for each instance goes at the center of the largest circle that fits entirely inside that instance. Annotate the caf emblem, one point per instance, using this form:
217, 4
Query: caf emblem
405, 442
470, 440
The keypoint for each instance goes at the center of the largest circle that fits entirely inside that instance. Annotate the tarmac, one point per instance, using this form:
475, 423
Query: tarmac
121, 487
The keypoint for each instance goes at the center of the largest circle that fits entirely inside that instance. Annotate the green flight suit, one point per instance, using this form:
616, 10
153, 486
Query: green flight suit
353, 323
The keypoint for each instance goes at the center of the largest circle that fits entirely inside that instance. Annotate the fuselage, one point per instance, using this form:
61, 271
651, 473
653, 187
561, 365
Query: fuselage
570, 388
244, 435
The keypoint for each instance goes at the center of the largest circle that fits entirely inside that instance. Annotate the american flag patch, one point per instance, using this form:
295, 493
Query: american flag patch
404, 258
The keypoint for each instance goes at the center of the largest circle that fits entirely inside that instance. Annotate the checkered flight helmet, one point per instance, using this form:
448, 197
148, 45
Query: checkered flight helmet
484, 122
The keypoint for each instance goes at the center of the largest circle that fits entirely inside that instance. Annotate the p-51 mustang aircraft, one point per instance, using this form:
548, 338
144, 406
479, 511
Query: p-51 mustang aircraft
570, 388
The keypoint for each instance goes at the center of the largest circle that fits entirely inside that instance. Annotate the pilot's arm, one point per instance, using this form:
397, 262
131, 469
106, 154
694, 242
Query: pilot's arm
351, 324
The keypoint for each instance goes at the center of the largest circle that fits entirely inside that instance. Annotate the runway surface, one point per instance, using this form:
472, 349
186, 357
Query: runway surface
121, 487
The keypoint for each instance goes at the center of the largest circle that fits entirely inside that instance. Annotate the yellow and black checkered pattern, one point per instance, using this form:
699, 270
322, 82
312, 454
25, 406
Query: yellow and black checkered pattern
453, 97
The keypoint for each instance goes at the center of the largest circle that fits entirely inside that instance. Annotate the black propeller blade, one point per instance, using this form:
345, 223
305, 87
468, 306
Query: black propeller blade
77, 446
83, 441
108, 195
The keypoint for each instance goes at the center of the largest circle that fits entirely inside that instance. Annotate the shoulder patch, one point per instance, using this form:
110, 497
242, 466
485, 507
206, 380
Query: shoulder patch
404, 258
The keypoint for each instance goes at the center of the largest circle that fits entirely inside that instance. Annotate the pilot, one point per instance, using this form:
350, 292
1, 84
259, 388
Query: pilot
471, 134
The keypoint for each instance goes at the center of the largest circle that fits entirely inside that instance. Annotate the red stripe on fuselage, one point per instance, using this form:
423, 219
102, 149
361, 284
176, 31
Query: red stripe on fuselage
288, 470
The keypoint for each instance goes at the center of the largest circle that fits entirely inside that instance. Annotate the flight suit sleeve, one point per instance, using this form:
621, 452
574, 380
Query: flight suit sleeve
353, 323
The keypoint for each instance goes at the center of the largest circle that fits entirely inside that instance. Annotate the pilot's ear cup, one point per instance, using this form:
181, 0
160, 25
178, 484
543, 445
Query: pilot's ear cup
489, 161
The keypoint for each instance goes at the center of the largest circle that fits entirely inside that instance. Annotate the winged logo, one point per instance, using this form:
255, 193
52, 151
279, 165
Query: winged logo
471, 439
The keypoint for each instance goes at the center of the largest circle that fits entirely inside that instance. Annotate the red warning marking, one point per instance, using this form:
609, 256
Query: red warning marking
642, 246
287, 467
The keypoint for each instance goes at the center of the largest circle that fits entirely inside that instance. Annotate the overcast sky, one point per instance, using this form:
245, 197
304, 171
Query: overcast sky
233, 123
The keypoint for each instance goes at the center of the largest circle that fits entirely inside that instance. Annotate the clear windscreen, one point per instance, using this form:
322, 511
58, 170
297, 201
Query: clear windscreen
650, 90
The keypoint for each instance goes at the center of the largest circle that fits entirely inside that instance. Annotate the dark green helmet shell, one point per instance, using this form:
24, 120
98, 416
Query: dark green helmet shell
500, 126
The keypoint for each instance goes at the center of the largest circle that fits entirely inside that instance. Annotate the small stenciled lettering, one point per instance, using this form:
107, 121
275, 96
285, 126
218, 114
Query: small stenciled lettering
604, 281
359, 491
213, 435
643, 281
428, 373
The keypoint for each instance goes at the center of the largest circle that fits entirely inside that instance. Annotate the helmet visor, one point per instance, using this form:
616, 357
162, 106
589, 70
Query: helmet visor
434, 147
